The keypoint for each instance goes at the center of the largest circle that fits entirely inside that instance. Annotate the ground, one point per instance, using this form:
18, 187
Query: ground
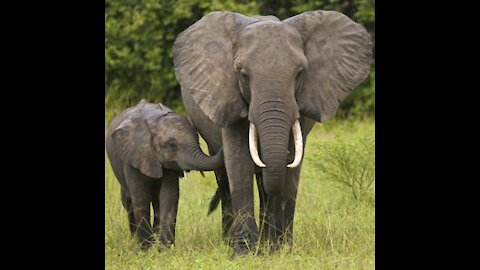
332, 230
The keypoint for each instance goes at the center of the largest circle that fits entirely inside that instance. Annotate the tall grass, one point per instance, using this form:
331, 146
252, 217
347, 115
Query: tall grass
332, 230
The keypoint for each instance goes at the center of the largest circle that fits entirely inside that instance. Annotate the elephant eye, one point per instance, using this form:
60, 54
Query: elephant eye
244, 83
172, 143
299, 74
298, 79
244, 76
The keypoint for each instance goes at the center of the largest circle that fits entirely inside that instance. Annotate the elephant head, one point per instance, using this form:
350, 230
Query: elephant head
272, 72
152, 137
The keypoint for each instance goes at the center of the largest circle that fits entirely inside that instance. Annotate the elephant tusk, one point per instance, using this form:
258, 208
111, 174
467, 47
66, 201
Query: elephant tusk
185, 175
252, 141
297, 137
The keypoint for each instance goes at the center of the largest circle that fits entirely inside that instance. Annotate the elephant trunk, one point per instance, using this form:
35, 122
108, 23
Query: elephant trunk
273, 124
197, 160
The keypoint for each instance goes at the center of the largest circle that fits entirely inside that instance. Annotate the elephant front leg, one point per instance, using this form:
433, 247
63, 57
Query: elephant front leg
140, 193
273, 221
263, 198
288, 204
240, 168
273, 224
276, 212
156, 207
168, 198
226, 202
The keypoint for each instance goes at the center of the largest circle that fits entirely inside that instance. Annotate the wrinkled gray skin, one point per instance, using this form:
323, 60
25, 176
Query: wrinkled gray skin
149, 147
235, 70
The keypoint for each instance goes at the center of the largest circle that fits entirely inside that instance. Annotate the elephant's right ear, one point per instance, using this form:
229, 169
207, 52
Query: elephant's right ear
134, 138
203, 60
339, 54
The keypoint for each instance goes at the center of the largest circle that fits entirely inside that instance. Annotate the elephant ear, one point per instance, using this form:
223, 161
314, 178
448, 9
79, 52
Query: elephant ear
134, 138
339, 53
203, 61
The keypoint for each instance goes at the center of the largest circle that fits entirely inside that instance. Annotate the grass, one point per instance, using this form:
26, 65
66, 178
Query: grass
332, 230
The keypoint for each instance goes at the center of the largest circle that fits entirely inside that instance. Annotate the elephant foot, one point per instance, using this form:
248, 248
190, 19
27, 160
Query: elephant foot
165, 246
275, 245
245, 252
243, 249
166, 240
146, 241
145, 244
244, 243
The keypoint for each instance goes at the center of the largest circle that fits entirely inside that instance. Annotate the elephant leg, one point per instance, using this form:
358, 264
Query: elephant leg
168, 197
274, 221
263, 197
156, 216
240, 169
288, 204
140, 191
156, 207
291, 185
270, 215
127, 204
280, 210
226, 202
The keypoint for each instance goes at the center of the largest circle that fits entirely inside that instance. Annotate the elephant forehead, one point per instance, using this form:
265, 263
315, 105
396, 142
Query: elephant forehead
272, 30
270, 39
173, 124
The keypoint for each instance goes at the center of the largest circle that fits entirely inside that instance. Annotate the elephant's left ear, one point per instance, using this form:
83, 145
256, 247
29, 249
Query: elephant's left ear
339, 53
134, 138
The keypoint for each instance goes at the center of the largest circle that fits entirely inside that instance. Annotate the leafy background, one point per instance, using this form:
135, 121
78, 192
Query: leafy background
139, 36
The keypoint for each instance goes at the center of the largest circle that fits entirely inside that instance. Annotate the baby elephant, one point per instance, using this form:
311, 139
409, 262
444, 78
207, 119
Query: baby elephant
149, 146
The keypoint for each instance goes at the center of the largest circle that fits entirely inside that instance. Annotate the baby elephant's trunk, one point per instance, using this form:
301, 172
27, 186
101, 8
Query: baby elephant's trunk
197, 160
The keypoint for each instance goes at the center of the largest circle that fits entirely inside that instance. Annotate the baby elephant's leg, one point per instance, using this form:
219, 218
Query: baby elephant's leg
140, 191
127, 204
156, 206
168, 198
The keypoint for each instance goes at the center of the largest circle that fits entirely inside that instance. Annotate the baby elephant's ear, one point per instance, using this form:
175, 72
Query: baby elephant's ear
134, 139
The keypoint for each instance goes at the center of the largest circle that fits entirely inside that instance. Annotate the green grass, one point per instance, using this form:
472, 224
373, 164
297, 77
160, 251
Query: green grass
332, 230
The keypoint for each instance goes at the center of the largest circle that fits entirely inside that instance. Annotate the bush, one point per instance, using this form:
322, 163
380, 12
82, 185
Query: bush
349, 165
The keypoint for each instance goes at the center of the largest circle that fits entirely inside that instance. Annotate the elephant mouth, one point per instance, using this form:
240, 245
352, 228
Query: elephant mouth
297, 137
174, 166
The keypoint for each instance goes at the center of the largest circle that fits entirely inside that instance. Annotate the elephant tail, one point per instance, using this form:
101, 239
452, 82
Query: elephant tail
214, 201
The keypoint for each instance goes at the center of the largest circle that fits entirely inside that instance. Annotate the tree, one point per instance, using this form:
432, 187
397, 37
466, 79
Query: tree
139, 36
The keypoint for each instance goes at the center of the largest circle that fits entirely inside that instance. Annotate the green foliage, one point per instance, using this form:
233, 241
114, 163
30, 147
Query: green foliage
348, 163
139, 36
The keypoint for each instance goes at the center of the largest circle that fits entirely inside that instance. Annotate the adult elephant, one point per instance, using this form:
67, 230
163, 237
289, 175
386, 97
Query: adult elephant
258, 82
